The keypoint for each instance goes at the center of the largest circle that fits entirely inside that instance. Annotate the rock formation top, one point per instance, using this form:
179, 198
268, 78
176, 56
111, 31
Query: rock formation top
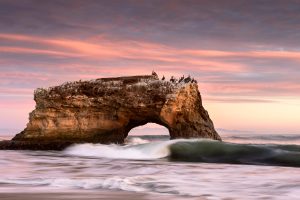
105, 110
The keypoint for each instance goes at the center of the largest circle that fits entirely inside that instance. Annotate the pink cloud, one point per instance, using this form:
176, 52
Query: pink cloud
107, 49
171, 61
251, 54
22, 50
283, 88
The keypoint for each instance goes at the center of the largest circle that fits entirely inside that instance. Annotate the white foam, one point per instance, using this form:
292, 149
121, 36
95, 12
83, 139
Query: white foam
146, 151
136, 140
115, 182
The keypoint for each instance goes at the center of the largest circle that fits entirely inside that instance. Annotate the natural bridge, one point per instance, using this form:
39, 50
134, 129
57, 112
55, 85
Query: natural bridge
105, 110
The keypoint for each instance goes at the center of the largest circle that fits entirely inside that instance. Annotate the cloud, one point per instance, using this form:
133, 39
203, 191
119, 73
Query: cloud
239, 100
232, 48
219, 71
20, 50
236, 24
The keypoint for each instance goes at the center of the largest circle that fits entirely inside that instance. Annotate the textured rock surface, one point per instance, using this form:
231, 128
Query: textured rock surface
105, 110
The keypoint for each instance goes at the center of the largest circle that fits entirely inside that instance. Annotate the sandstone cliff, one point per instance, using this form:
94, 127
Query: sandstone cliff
105, 110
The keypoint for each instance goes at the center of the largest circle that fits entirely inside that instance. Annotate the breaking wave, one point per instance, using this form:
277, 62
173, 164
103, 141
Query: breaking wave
194, 150
138, 150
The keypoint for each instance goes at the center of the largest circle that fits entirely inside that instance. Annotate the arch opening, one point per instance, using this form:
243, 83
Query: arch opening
149, 129
148, 132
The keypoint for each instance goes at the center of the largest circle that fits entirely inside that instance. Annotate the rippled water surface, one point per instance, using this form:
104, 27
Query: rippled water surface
152, 165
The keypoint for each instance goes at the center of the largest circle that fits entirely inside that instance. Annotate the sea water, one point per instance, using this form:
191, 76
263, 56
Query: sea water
241, 167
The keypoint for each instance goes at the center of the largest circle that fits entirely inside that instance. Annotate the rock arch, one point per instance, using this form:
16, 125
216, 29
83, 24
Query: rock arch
105, 110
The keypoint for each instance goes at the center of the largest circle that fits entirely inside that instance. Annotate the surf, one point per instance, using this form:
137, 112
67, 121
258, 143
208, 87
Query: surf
142, 151
193, 150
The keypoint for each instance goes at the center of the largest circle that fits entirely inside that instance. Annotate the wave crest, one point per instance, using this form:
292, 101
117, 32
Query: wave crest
195, 150
147, 151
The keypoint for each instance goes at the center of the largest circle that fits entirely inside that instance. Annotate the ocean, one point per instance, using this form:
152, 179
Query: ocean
249, 166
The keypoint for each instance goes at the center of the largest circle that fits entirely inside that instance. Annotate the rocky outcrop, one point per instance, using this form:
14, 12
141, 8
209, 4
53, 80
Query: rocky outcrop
105, 110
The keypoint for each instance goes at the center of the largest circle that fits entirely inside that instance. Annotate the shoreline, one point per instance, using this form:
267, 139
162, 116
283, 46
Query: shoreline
91, 195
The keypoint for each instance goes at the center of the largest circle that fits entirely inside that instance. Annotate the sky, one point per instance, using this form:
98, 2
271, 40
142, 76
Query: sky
244, 54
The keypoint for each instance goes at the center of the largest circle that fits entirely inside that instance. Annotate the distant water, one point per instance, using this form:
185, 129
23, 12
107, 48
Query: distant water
241, 167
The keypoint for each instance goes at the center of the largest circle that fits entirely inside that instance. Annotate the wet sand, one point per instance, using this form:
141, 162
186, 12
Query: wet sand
71, 196
107, 195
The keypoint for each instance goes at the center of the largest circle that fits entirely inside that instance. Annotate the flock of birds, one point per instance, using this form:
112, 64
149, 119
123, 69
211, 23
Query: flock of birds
181, 79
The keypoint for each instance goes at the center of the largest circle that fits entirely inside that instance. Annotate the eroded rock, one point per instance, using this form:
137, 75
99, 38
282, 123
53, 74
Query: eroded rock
105, 110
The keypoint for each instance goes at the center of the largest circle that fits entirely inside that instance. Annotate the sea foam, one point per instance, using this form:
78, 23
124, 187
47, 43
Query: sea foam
194, 150
147, 151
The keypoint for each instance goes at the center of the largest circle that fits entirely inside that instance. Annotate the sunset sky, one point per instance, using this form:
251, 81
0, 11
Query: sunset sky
244, 54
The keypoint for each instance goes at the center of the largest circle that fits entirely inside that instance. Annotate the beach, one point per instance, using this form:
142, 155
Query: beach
145, 168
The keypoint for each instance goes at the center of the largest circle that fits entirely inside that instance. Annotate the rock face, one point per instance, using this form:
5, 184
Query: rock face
105, 110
